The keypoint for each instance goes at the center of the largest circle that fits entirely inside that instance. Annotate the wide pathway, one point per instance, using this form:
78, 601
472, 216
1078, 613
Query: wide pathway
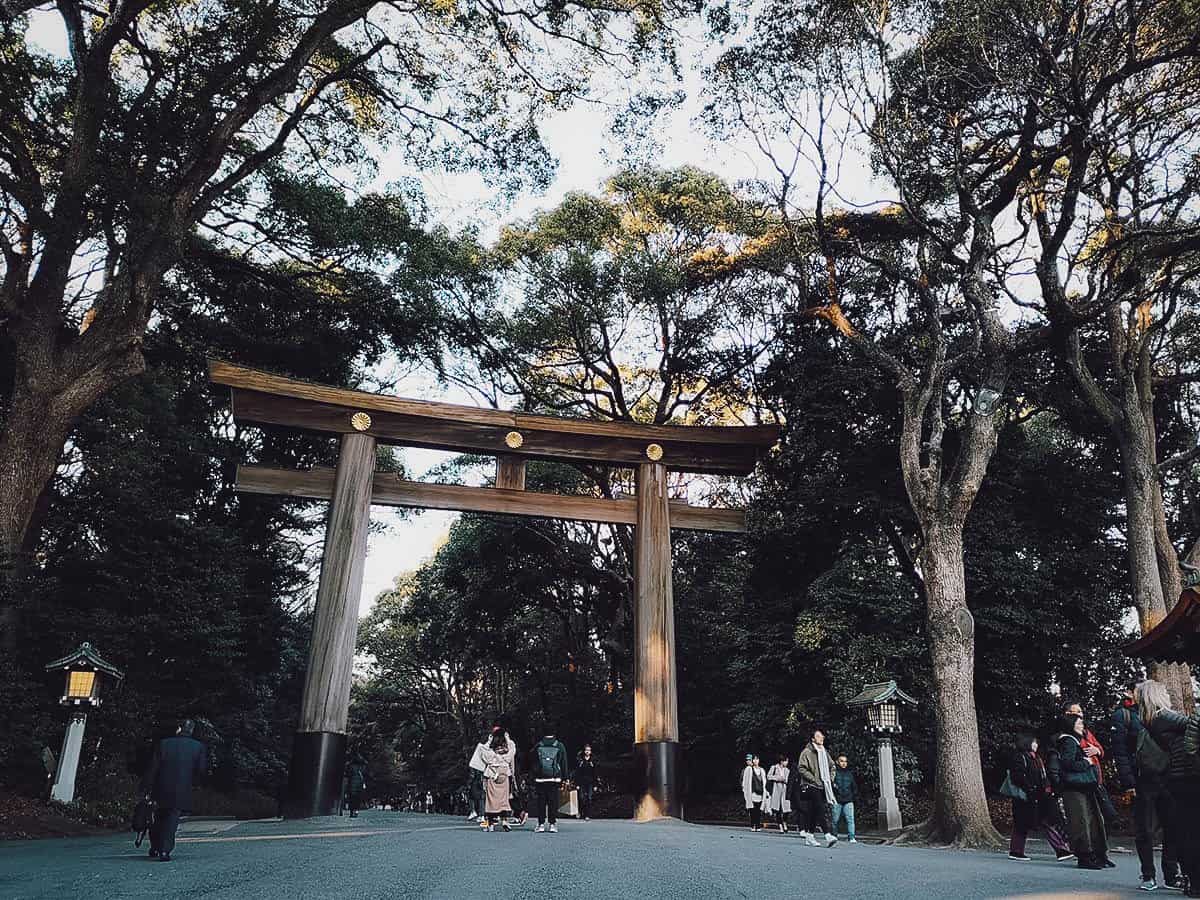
404, 855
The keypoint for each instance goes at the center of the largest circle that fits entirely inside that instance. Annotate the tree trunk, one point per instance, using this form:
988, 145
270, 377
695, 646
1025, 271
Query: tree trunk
960, 813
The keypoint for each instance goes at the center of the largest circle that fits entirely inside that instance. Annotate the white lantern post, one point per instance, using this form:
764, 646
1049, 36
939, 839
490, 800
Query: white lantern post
81, 692
882, 701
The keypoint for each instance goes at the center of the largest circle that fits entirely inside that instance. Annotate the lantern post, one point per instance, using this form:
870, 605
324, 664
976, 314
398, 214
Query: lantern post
882, 701
85, 670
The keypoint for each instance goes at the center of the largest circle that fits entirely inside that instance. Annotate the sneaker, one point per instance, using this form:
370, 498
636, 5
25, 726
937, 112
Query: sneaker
804, 834
1172, 884
1108, 863
1020, 857
830, 839
1063, 857
506, 826
540, 829
553, 828
853, 841
1148, 885
811, 841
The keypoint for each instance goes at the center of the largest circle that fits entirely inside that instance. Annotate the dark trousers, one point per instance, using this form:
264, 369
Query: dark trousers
585, 802
1107, 810
1029, 815
815, 810
476, 792
547, 802
355, 802
1186, 815
1153, 808
755, 815
1085, 825
162, 832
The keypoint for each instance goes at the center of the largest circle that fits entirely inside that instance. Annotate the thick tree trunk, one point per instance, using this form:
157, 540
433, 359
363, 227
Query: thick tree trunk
960, 813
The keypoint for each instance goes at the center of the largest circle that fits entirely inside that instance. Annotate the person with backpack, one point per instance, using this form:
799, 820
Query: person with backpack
754, 790
1163, 769
1035, 809
549, 769
1153, 805
1187, 802
1075, 776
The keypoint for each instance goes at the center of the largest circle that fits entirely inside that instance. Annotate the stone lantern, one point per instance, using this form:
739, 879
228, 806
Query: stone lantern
85, 672
882, 702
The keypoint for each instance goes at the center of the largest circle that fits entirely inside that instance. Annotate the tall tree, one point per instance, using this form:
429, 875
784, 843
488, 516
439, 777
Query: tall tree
158, 125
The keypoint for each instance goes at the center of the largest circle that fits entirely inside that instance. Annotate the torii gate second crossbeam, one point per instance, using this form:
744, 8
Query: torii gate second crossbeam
363, 420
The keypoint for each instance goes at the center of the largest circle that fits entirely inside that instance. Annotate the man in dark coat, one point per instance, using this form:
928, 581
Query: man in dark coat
177, 762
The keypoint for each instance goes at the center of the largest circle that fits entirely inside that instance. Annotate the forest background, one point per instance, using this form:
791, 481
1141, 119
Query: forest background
665, 295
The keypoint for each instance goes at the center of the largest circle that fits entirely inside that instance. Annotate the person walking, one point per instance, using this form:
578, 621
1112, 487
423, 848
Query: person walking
178, 762
1187, 805
498, 760
845, 795
754, 790
1027, 773
1153, 804
429, 802
585, 782
815, 771
778, 803
1165, 771
549, 769
475, 766
1075, 777
356, 784
1094, 751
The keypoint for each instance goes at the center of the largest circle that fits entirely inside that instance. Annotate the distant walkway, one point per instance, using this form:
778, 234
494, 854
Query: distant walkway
387, 856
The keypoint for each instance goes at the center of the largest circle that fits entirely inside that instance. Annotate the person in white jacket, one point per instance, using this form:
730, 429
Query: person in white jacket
778, 803
754, 790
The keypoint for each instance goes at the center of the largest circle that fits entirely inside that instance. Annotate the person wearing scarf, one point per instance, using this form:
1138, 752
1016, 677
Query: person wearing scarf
815, 772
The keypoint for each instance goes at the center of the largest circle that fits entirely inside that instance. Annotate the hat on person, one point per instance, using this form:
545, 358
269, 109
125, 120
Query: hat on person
749, 757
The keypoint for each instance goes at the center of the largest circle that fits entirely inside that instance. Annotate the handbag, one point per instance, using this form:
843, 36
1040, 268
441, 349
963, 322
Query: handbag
1008, 789
142, 819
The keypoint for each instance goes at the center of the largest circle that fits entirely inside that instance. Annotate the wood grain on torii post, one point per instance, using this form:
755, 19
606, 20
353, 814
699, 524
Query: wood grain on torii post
319, 751
655, 700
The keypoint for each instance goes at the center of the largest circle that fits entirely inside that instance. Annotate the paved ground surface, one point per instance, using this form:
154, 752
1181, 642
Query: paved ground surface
404, 855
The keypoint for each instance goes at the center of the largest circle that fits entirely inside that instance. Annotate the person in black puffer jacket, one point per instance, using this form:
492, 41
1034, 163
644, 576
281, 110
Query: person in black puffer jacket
1168, 728
1037, 810
1077, 787
1188, 804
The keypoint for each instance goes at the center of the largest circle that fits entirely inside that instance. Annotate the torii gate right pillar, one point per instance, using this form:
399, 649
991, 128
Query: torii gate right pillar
655, 702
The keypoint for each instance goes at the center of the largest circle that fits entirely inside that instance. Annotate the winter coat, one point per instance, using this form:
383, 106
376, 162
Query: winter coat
752, 798
177, 762
356, 778
1027, 772
777, 780
845, 786
476, 764
1168, 729
1075, 770
549, 741
585, 774
1191, 742
1126, 723
808, 767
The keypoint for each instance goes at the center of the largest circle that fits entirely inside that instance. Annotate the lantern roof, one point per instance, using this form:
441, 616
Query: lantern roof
85, 655
881, 692
1177, 637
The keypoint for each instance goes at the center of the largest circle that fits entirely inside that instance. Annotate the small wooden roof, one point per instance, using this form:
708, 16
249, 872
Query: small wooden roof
1176, 639
263, 398
881, 692
86, 657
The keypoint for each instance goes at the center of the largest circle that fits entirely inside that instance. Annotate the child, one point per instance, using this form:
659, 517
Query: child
845, 793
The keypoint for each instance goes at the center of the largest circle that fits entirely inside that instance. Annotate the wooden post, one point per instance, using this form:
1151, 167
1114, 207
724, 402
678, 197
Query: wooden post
510, 472
655, 704
319, 751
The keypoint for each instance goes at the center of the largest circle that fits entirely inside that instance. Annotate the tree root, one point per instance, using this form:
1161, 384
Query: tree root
951, 835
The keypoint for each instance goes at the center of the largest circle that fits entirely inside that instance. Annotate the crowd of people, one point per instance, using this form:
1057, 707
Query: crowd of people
1062, 790
817, 795
500, 792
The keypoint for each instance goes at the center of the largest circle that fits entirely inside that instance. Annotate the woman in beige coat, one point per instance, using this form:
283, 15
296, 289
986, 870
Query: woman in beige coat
498, 758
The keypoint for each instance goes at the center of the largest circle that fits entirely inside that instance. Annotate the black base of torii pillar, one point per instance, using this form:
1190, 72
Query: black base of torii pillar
655, 703
319, 750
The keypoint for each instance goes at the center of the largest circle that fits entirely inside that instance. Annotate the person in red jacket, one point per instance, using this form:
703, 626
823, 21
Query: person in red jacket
1094, 751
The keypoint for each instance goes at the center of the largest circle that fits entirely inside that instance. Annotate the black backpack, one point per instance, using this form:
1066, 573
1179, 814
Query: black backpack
548, 761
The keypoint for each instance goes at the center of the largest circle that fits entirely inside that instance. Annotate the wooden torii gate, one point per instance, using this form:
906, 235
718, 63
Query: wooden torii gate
363, 420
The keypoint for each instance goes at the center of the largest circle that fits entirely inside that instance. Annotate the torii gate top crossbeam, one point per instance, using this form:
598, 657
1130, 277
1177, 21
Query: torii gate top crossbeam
263, 398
